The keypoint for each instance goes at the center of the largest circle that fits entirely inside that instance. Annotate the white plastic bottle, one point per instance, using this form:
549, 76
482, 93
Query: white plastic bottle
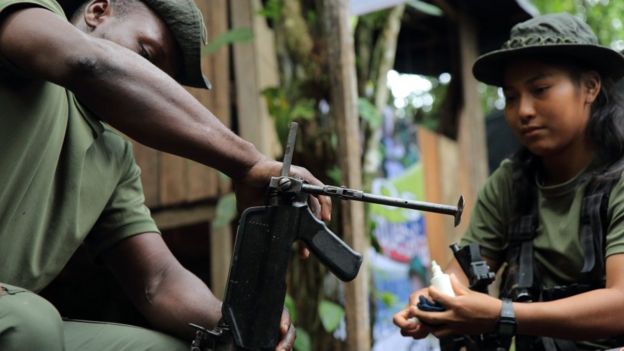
441, 280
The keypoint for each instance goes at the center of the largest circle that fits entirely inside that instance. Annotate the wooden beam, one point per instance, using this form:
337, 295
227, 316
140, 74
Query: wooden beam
471, 134
343, 81
182, 216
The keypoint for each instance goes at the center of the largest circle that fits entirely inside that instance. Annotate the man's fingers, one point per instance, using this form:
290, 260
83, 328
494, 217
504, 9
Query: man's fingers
315, 206
324, 202
285, 321
288, 341
287, 332
303, 250
326, 208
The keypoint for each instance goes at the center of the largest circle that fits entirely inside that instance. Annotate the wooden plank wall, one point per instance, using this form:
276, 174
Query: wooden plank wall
255, 68
169, 180
450, 172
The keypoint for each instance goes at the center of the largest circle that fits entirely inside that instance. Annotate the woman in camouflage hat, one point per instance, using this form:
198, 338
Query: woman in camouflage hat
553, 214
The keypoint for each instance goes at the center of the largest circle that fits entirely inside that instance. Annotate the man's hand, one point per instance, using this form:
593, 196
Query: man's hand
250, 188
287, 333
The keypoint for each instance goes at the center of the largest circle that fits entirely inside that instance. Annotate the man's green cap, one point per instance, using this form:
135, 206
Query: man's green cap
560, 35
186, 24
185, 21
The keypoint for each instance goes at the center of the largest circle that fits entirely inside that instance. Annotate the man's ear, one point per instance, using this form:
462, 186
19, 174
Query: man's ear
96, 12
591, 85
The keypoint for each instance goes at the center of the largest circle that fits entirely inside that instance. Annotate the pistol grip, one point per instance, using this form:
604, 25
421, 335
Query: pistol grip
334, 253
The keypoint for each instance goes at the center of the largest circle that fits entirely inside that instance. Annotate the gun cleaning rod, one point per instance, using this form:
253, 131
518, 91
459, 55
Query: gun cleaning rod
357, 195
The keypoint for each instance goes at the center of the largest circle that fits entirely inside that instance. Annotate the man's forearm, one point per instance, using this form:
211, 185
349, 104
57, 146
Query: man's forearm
178, 299
167, 294
122, 88
145, 103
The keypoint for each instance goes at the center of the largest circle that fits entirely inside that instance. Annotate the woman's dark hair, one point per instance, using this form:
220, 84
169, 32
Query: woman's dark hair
605, 130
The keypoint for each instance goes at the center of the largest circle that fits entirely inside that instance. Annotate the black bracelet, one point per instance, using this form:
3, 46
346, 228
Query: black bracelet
506, 324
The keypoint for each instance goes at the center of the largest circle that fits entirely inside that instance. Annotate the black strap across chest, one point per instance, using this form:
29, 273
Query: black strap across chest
526, 287
593, 226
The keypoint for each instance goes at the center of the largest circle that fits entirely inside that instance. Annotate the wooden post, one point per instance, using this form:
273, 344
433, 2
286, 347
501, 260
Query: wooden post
471, 135
343, 81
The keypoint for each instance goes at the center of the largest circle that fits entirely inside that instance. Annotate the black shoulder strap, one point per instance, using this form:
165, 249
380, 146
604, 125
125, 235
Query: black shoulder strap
594, 221
521, 235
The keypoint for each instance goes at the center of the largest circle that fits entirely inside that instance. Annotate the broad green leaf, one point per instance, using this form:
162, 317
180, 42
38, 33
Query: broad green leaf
302, 343
226, 211
331, 314
289, 303
236, 35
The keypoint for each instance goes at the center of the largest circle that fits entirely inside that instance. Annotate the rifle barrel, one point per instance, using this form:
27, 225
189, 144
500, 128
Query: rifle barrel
358, 195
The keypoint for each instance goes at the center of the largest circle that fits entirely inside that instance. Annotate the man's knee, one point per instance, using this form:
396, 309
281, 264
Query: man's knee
28, 321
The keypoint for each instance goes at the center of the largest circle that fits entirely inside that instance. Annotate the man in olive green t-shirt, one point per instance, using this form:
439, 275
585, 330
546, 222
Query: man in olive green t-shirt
67, 178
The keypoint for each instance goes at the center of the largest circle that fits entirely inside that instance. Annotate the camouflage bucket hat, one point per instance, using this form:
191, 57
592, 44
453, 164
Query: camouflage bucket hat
560, 35
185, 21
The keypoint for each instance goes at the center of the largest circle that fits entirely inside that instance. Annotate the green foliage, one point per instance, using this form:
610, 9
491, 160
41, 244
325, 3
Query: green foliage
226, 211
335, 174
285, 109
303, 343
272, 10
236, 35
369, 113
604, 16
331, 314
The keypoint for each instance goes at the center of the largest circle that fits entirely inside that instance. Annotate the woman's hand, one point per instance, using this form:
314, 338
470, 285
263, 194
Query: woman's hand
405, 320
469, 312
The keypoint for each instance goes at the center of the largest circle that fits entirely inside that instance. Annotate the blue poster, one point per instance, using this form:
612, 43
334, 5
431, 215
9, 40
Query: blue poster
402, 265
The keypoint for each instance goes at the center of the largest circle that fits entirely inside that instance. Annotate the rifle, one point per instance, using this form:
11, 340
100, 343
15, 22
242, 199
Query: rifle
256, 288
